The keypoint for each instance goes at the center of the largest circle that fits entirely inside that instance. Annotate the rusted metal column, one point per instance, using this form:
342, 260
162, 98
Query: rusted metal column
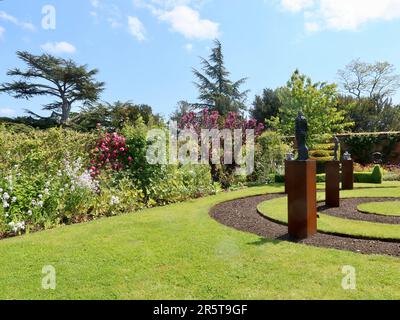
302, 198
347, 175
332, 184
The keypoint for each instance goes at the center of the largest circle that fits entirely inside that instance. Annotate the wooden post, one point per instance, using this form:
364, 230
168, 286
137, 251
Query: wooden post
332, 184
302, 198
347, 175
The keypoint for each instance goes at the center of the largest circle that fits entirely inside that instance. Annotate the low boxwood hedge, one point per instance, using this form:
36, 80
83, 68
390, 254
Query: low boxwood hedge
376, 177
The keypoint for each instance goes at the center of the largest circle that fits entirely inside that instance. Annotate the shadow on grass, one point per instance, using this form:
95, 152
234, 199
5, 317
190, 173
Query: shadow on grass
275, 241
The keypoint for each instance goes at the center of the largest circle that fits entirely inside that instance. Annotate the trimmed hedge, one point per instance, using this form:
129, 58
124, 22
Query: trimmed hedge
280, 178
375, 177
319, 153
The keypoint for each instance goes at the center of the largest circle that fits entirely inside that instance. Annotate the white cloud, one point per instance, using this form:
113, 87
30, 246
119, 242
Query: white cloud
136, 28
312, 26
343, 14
8, 112
2, 31
107, 12
95, 3
58, 47
187, 21
189, 47
296, 5
22, 24
182, 18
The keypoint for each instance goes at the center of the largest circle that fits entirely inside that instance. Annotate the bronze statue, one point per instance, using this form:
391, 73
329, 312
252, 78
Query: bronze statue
336, 149
301, 136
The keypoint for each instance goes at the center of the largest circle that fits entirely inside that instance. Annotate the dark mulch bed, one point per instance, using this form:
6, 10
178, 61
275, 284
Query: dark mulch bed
348, 210
242, 215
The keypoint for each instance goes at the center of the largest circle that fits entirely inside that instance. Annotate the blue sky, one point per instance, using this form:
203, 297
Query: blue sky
145, 49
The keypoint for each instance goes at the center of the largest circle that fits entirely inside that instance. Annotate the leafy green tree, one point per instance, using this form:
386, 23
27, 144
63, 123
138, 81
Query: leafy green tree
182, 108
114, 116
370, 115
217, 91
368, 90
266, 106
369, 80
61, 79
318, 101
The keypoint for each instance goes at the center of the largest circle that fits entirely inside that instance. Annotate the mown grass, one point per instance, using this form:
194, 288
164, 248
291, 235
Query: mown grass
277, 210
179, 252
387, 208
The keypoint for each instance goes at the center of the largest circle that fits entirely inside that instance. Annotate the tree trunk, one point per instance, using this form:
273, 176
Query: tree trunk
66, 108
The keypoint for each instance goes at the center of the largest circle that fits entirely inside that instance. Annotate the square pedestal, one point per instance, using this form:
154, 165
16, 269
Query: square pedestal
302, 198
332, 184
347, 175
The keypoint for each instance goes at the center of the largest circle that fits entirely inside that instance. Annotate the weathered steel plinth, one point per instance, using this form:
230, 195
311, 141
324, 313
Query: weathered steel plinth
302, 198
286, 183
347, 175
332, 184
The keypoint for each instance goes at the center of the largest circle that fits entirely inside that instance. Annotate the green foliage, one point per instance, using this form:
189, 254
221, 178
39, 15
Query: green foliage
318, 101
45, 180
163, 184
217, 91
61, 79
324, 146
114, 116
320, 154
362, 146
280, 178
266, 106
376, 176
269, 156
371, 114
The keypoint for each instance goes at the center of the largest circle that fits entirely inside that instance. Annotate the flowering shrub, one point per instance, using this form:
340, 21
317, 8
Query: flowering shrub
110, 153
47, 179
213, 120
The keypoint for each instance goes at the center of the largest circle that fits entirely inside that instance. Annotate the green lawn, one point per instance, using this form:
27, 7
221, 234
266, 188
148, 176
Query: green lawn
387, 208
179, 252
277, 210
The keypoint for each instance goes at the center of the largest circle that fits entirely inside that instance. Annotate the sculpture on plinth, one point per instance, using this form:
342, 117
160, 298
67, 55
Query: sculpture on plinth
336, 149
301, 137
346, 156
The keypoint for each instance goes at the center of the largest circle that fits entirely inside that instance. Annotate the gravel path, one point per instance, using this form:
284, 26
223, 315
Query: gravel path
242, 215
348, 210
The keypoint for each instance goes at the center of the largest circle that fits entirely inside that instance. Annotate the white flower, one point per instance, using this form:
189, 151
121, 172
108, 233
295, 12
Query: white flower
14, 199
5, 204
59, 173
6, 196
114, 200
1, 190
29, 212
46, 191
40, 203
34, 202
72, 188
6, 215
40, 196
17, 226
